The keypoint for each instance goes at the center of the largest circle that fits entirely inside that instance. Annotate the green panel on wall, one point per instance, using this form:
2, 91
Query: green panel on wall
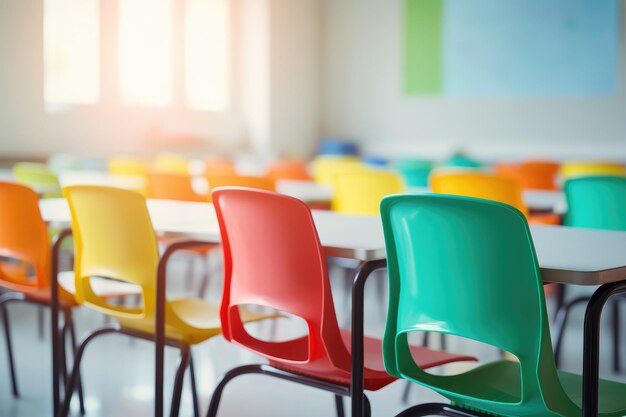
423, 46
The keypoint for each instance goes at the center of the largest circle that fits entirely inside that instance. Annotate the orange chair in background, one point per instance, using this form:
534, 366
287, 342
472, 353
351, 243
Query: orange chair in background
169, 186
532, 175
216, 167
289, 170
490, 187
259, 183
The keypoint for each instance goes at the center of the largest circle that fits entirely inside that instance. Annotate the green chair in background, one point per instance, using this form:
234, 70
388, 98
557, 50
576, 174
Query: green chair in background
38, 177
467, 267
596, 202
414, 171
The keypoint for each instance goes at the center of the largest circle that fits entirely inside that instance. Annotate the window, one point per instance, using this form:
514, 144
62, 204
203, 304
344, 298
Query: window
71, 39
145, 47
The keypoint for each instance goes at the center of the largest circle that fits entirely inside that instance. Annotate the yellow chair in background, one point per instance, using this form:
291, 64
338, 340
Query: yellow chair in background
584, 169
361, 192
327, 168
171, 163
114, 239
128, 166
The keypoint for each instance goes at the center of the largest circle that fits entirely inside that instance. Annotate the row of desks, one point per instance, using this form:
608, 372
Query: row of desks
566, 255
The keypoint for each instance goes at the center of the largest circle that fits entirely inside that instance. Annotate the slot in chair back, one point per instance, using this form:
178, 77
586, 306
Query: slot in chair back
264, 265
596, 202
361, 193
113, 238
23, 236
467, 267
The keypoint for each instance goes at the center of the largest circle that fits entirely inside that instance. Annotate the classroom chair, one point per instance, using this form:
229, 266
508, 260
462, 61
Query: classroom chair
447, 261
490, 187
583, 169
259, 183
171, 163
217, 167
326, 168
360, 193
374, 161
273, 257
25, 266
289, 170
39, 177
460, 160
114, 239
531, 175
597, 202
128, 166
415, 172
337, 147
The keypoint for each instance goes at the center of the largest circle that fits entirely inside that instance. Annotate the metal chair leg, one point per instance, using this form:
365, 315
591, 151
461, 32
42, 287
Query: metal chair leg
72, 330
9, 344
616, 336
367, 408
339, 406
40, 321
178, 381
205, 282
194, 390
559, 325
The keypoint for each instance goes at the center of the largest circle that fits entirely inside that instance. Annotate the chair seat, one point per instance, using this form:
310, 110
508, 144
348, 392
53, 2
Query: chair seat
612, 401
375, 376
190, 320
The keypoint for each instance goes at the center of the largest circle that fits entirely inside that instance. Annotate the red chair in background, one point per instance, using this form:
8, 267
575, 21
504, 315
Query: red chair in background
273, 258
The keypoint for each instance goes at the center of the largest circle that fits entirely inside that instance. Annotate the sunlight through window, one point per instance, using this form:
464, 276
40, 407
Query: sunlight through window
145, 51
71, 52
206, 54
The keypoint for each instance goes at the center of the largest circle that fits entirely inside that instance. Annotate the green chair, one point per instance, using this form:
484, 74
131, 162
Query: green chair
597, 202
467, 267
38, 177
414, 171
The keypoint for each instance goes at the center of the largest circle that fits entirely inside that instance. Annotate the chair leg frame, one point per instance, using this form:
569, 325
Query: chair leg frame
114, 328
560, 323
437, 409
340, 391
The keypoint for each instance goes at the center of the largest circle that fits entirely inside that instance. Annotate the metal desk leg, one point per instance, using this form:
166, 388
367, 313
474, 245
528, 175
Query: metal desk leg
362, 273
591, 345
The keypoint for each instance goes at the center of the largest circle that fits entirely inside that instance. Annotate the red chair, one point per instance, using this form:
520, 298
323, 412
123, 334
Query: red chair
273, 258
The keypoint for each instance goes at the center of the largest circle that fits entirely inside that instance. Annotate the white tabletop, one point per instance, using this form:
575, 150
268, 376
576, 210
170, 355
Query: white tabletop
566, 255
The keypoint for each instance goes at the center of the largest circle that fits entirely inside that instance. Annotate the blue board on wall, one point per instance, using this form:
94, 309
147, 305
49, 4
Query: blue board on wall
520, 47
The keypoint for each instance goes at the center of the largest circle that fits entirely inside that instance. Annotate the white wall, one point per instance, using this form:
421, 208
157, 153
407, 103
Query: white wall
364, 99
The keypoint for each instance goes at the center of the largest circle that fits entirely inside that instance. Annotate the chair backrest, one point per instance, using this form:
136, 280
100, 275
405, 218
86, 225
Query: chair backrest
414, 171
39, 177
128, 166
582, 169
217, 167
466, 267
113, 238
170, 186
596, 202
259, 183
171, 163
479, 185
531, 175
326, 168
273, 258
289, 170
23, 236
361, 193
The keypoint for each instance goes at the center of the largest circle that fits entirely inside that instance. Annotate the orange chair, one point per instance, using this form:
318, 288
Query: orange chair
289, 170
273, 257
259, 183
169, 186
215, 167
532, 175
25, 265
490, 187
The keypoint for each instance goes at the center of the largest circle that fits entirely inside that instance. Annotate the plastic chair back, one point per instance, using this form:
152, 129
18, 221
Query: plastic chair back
273, 258
414, 171
480, 185
172, 164
259, 183
361, 193
169, 186
219, 167
39, 177
467, 267
584, 169
128, 166
596, 202
289, 170
532, 175
327, 168
337, 147
113, 238
23, 236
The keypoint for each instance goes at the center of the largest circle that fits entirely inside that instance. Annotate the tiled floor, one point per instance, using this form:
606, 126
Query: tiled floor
118, 372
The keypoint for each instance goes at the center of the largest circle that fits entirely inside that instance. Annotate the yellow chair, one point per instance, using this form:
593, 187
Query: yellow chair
171, 164
327, 168
584, 169
114, 239
128, 166
361, 193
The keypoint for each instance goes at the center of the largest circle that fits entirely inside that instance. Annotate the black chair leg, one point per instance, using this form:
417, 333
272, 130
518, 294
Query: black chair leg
178, 381
9, 345
72, 330
559, 325
367, 409
194, 390
40, 321
339, 406
616, 336
206, 277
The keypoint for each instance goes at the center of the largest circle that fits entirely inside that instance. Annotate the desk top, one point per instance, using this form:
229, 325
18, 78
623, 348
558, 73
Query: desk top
566, 255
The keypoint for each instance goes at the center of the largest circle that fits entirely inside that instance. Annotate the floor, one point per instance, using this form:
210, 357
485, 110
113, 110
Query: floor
118, 372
